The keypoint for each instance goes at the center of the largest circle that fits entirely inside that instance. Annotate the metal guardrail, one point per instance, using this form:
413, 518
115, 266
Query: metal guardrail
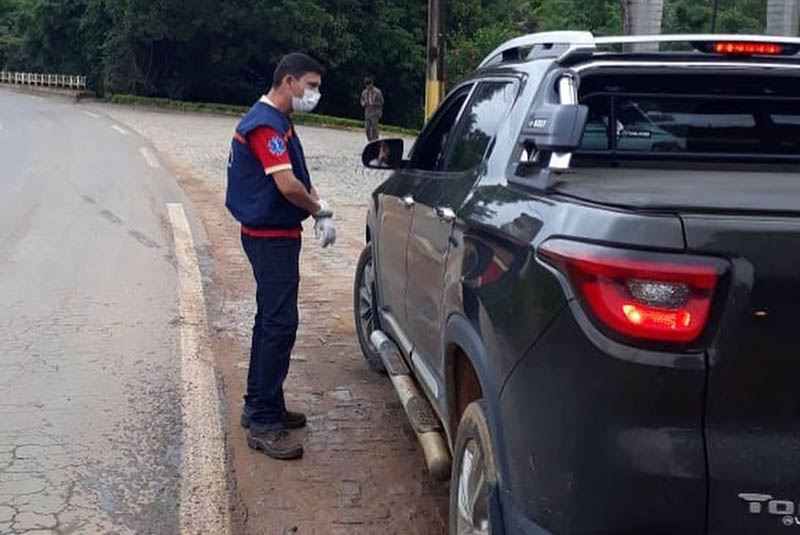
61, 81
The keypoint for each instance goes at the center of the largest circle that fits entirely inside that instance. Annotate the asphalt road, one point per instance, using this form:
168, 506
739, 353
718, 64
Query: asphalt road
93, 379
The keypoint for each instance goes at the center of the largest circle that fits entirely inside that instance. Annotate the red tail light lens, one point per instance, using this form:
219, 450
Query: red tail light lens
646, 296
748, 48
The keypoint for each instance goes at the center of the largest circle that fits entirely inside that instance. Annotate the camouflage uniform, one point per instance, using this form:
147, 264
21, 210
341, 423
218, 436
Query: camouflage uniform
372, 102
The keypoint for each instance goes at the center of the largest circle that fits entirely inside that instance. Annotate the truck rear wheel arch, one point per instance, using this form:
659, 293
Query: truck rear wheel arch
467, 367
464, 387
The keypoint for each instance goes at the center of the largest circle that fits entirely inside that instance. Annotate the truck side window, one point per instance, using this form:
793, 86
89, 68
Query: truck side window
479, 125
429, 152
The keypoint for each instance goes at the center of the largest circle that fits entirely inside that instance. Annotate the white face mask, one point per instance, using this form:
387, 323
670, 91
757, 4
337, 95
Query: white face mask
307, 102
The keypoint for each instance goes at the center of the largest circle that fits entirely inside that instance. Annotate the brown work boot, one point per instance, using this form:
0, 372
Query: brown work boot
275, 443
291, 420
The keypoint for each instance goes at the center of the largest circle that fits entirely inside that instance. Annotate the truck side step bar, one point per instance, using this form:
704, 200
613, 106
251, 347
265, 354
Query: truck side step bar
418, 410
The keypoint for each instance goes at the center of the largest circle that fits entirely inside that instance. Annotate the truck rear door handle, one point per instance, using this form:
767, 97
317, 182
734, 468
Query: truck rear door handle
445, 214
409, 201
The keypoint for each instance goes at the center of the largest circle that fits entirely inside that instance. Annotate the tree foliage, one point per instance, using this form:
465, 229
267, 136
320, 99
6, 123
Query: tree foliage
734, 16
225, 51
10, 32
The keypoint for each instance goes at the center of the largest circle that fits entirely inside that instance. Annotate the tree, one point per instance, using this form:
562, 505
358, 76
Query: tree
466, 51
783, 17
601, 17
226, 50
734, 16
642, 17
476, 28
10, 35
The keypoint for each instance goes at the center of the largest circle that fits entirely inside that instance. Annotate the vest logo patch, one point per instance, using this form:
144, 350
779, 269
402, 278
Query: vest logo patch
277, 146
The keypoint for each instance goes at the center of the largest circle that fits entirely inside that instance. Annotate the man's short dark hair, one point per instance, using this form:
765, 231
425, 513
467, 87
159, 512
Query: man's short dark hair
296, 65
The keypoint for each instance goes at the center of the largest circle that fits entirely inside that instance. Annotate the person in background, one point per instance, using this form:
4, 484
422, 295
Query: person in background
372, 101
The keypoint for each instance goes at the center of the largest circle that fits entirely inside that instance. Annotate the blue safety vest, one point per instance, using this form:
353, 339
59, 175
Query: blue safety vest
252, 197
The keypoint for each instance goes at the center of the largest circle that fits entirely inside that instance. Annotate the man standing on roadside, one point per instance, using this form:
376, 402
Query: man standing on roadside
270, 194
372, 102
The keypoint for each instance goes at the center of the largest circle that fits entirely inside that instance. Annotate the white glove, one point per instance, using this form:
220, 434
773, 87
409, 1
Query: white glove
325, 231
324, 210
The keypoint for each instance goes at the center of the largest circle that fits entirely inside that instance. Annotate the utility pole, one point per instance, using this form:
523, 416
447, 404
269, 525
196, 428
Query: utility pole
434, 71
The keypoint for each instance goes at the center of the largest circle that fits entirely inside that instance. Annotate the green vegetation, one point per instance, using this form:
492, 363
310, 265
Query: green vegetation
225, 51
735, 16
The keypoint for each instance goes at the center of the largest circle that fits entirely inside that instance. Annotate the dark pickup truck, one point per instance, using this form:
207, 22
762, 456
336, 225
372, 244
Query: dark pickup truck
584, 282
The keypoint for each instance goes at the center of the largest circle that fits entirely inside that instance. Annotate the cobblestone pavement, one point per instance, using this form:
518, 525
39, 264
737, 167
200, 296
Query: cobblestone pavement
363, 472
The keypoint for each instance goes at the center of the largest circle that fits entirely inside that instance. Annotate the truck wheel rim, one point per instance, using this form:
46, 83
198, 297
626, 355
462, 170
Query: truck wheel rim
473, 493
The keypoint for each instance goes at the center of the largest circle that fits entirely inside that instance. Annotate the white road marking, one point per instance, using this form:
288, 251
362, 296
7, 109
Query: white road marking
120, 130
151, 160
204, 506
90, 114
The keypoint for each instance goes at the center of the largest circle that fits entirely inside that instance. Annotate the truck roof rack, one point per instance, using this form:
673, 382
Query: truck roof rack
570, 43
510, 49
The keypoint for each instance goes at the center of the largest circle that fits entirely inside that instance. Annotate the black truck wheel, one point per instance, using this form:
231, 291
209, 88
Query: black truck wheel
365, 308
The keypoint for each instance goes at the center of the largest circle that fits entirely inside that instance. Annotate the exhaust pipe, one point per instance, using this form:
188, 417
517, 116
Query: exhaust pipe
418, 410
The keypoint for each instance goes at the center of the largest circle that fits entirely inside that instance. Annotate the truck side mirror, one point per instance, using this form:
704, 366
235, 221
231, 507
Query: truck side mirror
383, 154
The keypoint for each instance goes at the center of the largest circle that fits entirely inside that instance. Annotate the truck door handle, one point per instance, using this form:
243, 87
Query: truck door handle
445, 214
409, 201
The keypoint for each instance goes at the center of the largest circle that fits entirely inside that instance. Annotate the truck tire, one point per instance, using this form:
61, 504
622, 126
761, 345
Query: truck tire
365, 308
474, 475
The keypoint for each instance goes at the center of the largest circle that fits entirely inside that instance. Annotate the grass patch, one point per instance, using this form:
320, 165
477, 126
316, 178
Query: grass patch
311, 119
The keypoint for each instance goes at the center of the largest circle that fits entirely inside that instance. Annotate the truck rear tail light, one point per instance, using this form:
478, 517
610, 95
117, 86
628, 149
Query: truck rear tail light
641, 295
754, 48
748, 48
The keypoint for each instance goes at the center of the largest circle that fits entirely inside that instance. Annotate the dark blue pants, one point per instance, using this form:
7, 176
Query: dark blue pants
276, 267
